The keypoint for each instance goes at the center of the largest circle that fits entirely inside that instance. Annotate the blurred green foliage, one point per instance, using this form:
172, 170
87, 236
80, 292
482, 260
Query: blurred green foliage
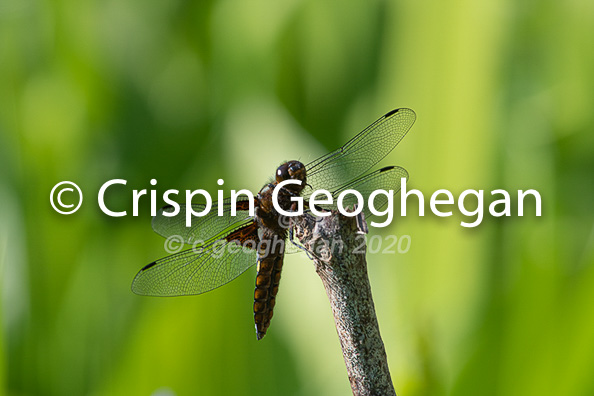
188, 92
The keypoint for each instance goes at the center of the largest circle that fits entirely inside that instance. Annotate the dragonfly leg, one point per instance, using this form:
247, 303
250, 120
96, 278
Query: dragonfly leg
292, 240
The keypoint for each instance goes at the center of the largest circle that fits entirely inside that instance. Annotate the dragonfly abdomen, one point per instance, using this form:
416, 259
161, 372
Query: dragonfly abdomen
267, 281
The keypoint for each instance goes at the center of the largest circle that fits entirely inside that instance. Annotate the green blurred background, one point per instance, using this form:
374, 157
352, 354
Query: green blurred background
190, 92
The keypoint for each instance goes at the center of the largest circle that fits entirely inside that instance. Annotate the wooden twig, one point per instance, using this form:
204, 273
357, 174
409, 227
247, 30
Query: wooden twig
337, 247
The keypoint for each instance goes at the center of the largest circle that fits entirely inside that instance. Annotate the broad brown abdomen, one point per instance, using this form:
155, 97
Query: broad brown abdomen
267, 280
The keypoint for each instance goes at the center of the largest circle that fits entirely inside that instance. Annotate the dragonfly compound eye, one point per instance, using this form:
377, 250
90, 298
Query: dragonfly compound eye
296, 170
295, 166
282, 173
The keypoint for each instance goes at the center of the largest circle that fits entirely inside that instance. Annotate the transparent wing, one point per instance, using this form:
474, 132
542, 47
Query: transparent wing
194, 271
387, 178
360, 153
201, 228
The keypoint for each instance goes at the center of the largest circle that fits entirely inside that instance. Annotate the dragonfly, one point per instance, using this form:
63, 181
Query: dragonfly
226, 245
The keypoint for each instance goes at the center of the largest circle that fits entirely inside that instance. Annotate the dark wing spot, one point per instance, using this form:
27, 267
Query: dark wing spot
386, 168
148, 266
391, 112
167, 208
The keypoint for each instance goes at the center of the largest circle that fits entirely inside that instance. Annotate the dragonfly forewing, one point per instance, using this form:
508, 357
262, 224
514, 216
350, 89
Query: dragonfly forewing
360, 153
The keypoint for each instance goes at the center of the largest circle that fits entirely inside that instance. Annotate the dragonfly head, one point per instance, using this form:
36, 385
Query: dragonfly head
292, 170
